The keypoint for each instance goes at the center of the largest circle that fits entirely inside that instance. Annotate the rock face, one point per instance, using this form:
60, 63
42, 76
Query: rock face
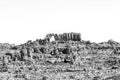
66, 58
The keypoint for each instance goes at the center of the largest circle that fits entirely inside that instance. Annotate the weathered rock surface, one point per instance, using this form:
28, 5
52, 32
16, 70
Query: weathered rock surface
66, 58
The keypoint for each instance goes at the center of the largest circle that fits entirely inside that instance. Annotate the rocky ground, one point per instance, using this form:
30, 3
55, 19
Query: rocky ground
66, 58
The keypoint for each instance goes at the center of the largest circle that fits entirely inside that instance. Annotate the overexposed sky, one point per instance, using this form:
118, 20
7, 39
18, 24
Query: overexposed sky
22, 20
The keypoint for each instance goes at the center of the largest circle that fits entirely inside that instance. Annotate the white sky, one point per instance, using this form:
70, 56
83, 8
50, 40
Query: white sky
22, 20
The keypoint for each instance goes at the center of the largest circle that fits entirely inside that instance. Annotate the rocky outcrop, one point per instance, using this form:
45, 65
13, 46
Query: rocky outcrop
66, 58
65, 37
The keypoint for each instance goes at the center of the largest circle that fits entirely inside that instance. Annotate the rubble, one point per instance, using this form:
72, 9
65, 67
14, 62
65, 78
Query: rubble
66, 57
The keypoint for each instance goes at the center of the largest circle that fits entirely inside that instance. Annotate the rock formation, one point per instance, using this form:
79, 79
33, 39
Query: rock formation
67, 58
